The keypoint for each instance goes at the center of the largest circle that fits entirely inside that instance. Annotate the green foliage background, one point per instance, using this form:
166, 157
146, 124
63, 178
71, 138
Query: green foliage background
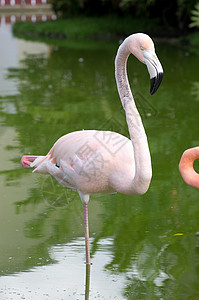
175, 14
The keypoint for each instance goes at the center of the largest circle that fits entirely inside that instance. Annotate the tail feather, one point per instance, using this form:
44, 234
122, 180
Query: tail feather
39, 164
37, 161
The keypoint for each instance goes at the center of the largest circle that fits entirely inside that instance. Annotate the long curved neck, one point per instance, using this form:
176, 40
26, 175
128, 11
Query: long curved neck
186, 167
143, 170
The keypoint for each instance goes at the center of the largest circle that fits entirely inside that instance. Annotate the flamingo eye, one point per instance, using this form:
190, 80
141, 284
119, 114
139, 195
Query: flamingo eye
142, 48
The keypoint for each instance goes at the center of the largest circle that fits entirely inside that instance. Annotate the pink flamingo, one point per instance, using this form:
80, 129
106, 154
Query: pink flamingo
186, 167
92, 161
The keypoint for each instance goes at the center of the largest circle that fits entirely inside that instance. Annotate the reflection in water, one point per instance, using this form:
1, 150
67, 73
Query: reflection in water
193, 297
195, 90
65, 278
87, 285
12, 53
135, 247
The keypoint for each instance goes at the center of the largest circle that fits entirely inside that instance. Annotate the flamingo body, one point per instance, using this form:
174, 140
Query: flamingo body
89, 161
94, 161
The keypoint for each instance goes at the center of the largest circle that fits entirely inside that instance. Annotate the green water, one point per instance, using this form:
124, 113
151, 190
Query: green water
142, 247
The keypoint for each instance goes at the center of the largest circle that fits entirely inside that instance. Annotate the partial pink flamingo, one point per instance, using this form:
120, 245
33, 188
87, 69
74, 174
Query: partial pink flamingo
186, 167
92, 161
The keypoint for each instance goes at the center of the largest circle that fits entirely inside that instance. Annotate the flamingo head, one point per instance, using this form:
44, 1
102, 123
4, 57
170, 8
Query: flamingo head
143, 48
26, 160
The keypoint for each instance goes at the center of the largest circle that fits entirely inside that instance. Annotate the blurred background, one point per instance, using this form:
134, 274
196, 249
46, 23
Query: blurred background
57, 76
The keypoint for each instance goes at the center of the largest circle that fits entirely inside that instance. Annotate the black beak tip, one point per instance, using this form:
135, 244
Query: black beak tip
155, 83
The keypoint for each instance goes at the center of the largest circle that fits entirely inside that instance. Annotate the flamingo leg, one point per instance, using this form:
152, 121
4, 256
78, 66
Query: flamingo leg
87, 285
86, 229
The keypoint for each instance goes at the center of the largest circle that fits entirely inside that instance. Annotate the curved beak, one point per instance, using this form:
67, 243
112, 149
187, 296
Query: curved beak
154, 68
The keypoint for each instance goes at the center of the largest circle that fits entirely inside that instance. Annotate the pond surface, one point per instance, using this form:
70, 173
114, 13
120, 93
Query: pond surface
142, 247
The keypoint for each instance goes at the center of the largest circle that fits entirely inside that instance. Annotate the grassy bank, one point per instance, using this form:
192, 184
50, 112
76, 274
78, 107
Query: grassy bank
103, 28
73, 32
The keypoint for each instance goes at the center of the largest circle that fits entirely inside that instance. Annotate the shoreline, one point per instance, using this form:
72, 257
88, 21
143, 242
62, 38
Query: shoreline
110, 28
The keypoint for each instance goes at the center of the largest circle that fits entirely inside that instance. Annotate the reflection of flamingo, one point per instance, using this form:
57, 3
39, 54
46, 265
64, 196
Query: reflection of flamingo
186, 167
93, 161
